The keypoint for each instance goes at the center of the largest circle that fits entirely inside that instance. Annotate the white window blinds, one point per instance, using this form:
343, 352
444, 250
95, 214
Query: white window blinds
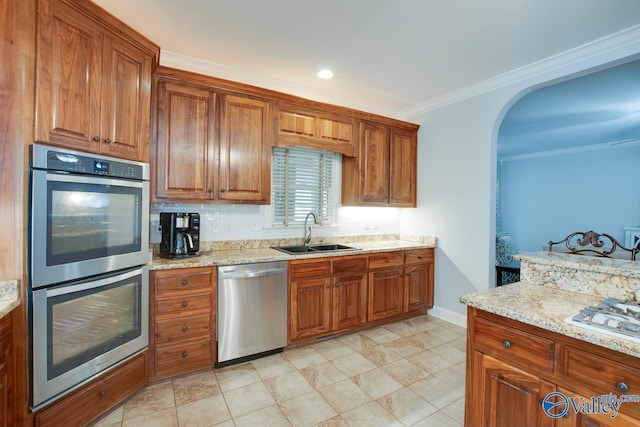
302, 181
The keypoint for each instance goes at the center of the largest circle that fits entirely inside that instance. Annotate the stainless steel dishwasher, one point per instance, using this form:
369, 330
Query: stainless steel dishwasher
252, 311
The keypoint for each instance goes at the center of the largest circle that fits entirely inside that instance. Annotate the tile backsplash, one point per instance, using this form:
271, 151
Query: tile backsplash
246, 222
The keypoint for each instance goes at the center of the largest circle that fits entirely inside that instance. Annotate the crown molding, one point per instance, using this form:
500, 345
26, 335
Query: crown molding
627, 40
572, 150
201, 66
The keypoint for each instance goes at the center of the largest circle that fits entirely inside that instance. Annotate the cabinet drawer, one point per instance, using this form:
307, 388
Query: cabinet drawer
529, 349
388, 259
184, 357
183, 327
310, 269
600, 375
87, 403
349, 264
183, 303
418, 256
183, 281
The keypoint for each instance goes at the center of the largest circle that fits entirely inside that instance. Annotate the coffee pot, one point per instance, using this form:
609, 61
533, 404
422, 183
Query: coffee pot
180, 234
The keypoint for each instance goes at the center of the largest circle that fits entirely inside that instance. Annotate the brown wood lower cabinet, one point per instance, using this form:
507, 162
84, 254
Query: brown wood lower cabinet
509, 396
182, 326
573, 419
322, 300
6, 373
99, 396
336, 294
512, 367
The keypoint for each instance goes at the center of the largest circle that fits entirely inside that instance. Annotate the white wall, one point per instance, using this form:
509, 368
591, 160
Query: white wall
547, 198
457, 168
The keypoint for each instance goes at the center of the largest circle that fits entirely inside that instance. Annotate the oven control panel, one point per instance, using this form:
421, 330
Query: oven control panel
62, 160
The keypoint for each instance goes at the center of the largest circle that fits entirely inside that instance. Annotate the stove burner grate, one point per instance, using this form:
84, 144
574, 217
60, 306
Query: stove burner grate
612, 314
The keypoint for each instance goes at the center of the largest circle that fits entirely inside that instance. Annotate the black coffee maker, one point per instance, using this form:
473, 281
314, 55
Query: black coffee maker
180, 234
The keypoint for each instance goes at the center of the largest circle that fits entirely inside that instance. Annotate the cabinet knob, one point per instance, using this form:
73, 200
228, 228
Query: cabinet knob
184, 282
327, 286
506, 344
184, 354
337, 285
184, 328
222, 190
622, 387
96, 138
107, 141
184, 303
209, 190
103, 393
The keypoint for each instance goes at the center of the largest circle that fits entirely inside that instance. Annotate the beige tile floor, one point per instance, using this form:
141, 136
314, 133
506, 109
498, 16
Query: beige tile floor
407, 373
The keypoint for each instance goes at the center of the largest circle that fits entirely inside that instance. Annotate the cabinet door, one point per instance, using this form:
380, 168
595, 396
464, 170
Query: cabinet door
573, 419
374, 160
386, 294
126, 99
68, 78
185, 153
246, 138
506, 396
310, 305
402, 168
6, 408
418, 287
349, 301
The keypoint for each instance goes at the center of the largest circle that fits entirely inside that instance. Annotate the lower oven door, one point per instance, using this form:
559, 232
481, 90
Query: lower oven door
81, 328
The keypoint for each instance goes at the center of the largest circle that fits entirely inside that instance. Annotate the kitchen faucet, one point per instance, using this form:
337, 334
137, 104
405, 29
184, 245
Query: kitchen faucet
307, 239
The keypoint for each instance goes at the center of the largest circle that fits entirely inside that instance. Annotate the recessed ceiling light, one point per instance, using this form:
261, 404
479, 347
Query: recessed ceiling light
325, 74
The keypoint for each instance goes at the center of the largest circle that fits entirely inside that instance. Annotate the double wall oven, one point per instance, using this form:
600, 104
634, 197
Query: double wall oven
89, 237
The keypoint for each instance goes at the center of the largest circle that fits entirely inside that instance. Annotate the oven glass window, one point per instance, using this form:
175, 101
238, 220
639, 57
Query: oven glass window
88, 221
83, 325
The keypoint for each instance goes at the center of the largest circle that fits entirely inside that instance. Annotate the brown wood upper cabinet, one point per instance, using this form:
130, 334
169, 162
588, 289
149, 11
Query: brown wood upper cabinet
307, 127
93, 81
383, 173
211, 146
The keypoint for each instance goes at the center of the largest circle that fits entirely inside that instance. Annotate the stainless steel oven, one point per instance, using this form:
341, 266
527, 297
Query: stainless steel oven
89, 285
81, 328
89, 215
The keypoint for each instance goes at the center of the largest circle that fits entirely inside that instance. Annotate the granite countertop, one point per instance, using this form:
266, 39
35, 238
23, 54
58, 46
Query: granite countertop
555, 286
8, 296
252, 255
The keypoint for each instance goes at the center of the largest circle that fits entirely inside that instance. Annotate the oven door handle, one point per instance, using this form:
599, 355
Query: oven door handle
93, 284
97, 180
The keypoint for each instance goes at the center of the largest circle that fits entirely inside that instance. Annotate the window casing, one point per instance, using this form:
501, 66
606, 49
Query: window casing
302, 182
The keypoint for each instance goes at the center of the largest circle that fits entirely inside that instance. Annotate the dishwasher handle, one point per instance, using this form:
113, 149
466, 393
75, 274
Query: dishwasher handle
234, 274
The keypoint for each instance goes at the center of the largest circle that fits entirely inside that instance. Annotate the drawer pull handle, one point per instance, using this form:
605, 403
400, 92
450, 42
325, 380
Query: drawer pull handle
184, 303
506, 344
184, 282
103, 393
622, 387
107, 141
96, 138
184, 354
184, 328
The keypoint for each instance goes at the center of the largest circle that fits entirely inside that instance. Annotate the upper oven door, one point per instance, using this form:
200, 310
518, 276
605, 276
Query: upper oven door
86, 225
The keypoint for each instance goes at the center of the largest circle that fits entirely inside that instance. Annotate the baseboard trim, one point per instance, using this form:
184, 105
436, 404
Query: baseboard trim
449, 315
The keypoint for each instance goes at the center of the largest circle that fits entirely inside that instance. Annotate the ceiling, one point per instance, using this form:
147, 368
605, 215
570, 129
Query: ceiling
387, 56
601, 109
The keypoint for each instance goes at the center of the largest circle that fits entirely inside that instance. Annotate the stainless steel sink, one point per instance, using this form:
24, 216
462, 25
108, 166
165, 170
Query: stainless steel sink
302, 249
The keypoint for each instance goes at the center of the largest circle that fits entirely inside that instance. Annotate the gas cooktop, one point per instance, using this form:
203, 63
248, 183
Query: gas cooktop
611, 316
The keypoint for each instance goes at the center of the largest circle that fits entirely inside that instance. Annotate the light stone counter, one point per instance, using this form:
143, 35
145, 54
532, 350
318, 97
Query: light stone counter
8, 296
249, 254
556, 286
